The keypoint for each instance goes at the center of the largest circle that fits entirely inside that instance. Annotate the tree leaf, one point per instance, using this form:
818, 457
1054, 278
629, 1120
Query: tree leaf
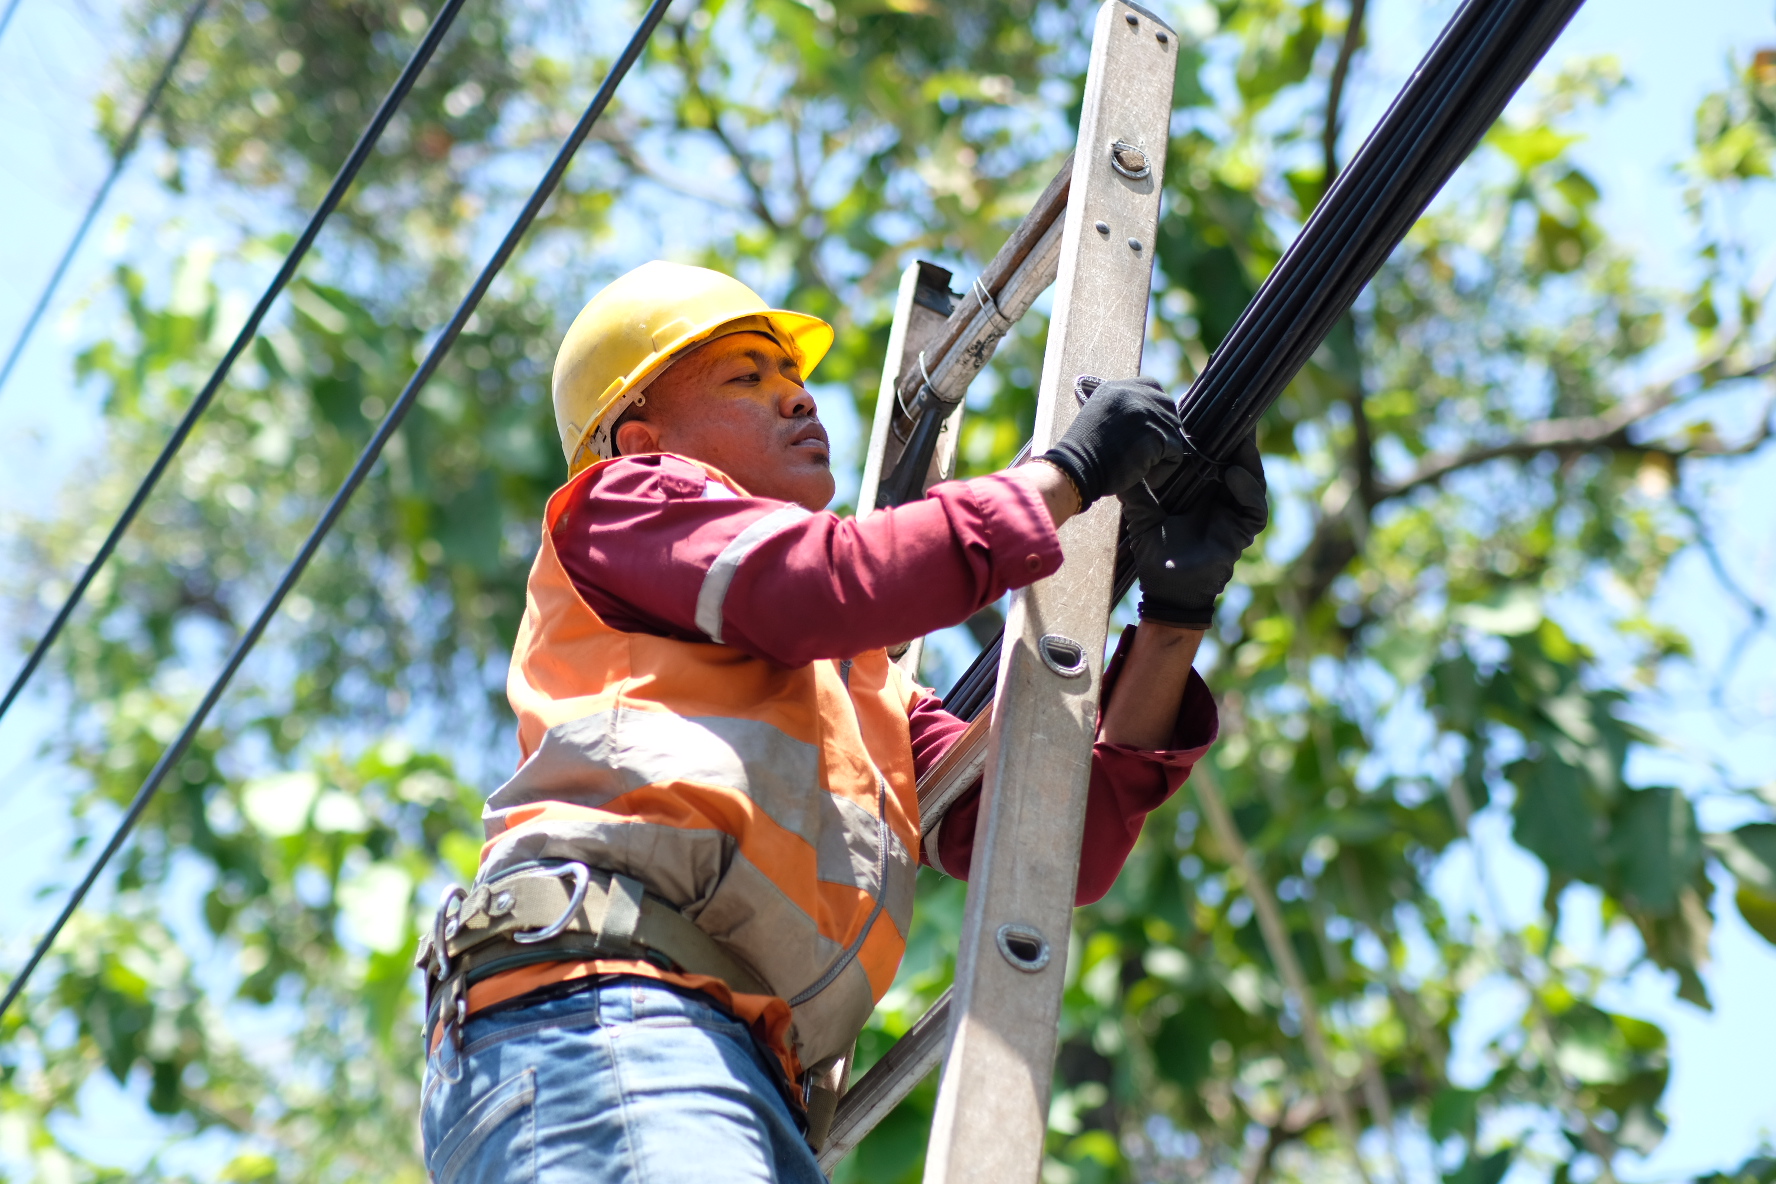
1553, 819
1454, 1112
1487, 1170
1758, 910
1654, 847
1750, 853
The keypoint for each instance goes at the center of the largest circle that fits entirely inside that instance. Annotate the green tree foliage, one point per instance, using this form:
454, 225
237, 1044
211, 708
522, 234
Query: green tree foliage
1481, 479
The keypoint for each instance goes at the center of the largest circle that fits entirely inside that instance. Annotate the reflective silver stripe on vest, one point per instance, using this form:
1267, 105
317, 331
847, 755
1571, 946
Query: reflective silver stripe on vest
721, 573
603, 755
880, 892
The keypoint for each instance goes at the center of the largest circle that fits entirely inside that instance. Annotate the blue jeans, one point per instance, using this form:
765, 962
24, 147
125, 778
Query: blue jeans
625, 1082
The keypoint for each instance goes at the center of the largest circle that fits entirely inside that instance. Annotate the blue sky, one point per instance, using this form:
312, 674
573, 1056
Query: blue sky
52, 61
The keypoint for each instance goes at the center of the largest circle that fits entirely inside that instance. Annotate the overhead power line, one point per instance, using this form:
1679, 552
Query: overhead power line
6, 17
125, 147
347, 174
367, 459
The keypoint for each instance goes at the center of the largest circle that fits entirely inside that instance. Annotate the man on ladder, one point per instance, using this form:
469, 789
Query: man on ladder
700, 880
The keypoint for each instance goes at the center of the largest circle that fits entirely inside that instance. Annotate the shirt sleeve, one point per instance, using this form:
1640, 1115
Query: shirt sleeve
653, 546
1127, 784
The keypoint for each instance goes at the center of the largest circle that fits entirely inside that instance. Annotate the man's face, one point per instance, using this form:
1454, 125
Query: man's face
738, 403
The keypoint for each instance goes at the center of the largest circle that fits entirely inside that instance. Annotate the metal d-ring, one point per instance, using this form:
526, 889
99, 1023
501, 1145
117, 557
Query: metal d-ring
440, 934
581, 876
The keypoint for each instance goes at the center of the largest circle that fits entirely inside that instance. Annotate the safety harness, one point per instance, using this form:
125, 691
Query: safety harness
563, 911
557, 912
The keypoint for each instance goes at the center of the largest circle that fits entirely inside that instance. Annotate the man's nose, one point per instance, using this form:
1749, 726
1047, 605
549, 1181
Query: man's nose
797, 403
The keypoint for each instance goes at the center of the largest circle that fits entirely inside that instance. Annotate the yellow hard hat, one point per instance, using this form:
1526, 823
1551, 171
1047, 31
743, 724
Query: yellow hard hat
630, 332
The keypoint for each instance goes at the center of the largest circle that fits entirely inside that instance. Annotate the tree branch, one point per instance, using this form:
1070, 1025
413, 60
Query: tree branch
1276, 939
1760, 615
757, 204
1578, 434
625, 152
1363, 449
1257, 1167
1334, 542
1353, 36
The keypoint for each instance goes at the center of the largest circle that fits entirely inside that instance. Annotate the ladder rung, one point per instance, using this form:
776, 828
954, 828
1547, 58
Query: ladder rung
958, 768
889, 1080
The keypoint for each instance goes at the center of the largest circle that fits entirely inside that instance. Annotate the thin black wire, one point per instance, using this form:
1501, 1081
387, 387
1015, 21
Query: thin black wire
366, 461
125, 146
341, 182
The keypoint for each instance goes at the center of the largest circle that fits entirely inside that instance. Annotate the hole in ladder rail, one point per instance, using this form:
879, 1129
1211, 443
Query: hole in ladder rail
1062, 655
1130, 161
1023, 946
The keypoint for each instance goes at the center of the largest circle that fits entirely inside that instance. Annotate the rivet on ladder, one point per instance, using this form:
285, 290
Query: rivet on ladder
1161, 35
1134, 244
1132, 19
1103, 228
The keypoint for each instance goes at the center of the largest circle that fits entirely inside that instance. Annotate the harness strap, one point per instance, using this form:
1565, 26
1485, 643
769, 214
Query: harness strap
570, 912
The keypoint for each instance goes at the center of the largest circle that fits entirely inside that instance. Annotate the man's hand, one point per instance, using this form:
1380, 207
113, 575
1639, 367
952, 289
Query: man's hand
1125, 430
1185, 560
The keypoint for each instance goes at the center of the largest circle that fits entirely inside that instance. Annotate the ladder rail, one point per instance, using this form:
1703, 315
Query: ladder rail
922, 311
951, 355
940, 386
992, 1108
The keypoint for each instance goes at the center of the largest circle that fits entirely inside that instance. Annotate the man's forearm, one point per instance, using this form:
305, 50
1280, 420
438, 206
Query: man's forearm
1144, 705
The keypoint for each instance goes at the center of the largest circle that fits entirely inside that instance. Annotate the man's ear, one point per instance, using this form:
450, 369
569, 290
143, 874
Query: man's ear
637, 436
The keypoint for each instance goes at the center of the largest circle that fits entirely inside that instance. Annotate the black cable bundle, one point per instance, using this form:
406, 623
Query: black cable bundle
1458, 90
1482, 56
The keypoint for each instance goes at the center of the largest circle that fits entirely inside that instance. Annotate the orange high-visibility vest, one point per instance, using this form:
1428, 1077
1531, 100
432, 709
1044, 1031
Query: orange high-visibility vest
748, 794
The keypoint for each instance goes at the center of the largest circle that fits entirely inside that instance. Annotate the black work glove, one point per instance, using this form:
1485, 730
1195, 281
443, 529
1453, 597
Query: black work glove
1125, 429
1184, 560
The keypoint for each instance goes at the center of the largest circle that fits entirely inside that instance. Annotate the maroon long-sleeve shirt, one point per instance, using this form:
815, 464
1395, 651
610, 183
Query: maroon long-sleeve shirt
642, 537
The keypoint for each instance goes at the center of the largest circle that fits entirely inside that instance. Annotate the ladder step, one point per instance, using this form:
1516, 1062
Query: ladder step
958, 768
889, 1080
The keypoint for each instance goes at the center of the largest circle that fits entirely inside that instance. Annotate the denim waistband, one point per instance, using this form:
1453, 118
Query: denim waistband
605, 1002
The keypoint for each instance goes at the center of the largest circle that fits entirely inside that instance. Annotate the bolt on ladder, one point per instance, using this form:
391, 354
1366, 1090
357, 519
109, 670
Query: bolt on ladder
1091, 234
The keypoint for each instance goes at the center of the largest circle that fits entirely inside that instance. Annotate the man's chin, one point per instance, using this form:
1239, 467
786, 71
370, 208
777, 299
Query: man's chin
814, 486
